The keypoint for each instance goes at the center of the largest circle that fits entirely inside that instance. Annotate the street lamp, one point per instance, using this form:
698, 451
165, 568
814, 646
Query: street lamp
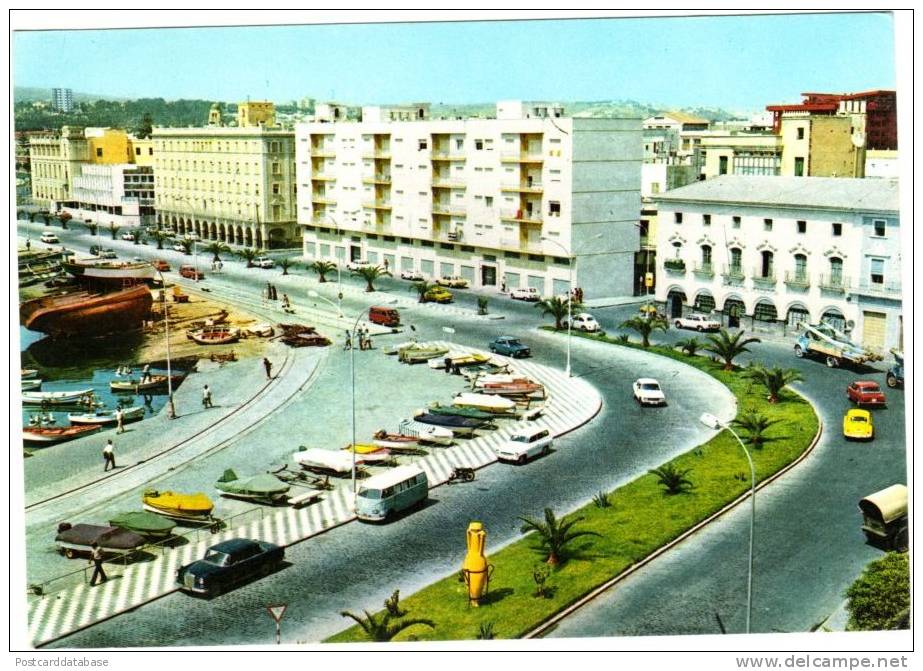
166, 329
314, 294
713, 422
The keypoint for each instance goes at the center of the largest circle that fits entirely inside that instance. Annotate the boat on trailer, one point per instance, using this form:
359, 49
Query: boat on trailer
151, 526
195, 507
486, 402
262, 488
78, 539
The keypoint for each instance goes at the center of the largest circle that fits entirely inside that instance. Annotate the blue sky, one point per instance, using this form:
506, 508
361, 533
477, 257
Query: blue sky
740, 63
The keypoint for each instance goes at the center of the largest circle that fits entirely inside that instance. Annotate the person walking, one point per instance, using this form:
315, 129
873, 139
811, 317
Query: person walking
206, 397
28, 243
119, 418
386, 265
96, 555
109, 456
348, 344
448, 365
267, 364
146, 373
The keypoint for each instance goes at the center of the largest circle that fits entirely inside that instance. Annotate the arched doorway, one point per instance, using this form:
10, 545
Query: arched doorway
277, 238
248, 237
213, 231
765, 311
675, 300
734, 309
797, 317
835, 318
704, 302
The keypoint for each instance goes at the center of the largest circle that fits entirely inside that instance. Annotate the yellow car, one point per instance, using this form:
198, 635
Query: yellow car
857, 425
438, 295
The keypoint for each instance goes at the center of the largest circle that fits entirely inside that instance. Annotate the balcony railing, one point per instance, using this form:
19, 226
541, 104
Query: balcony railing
377, 179
378, 205
449, 210
519, 245
675, 266
704, 270
879, 288
523, 187
379, 154
521, 157
797, 280
448, 183
763, 279
733, 275
322, 177
837, 283
446, 156
522, 216
323, 152
323, 199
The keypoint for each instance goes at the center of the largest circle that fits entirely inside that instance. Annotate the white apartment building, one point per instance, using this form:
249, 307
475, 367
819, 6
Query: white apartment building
514, 201
120, 194
769, 253
62, 100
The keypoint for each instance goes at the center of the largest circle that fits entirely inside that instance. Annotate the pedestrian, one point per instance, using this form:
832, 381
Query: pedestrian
146, 373
220, 266
448, 365
206, 397
456, 369
119, 418
285, 302
368, 339
503, 287
349, 343
272, 288
268, 291
362, 342
386, 265
267, 364
109, 455
96, 554
28, 243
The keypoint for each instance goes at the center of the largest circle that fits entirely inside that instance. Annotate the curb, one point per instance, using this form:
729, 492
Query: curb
597, 591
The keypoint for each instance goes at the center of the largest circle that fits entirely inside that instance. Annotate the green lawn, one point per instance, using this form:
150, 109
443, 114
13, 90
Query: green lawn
641, 520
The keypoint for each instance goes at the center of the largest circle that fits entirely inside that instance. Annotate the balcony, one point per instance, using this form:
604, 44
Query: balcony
384, 205
523, 187
449, 210
521, 217
379, 155
521, 157
322, 177
322, 220
675, 266
763, 280
323, 199
733, 275
703, 270
446, 156
833, 283
880, 289
448, 183
797, 280
322, 152
377, 179
523, 246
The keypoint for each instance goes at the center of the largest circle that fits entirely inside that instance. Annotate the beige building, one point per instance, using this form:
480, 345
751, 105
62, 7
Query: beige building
253, 113
233, 184
55, 159
820, 146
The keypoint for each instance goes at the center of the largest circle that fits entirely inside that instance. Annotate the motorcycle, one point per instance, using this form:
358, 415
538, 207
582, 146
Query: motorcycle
461, 474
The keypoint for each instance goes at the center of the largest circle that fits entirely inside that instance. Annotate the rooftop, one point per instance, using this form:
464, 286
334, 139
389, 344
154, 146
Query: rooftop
840, 193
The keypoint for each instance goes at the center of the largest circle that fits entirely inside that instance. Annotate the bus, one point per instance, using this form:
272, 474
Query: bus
382, 496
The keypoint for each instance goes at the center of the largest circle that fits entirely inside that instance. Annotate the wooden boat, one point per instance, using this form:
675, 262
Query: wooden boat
331, 462
55, 397
262, 488
260, 330
216, 335
26, 385
302, 335
490, 367
486, 402
27, 373
460, 426
514, 389
151, 526
395, 440
134, 386
460, 359
49, 435
418, 353
178, 506
394, 349
78, 539
106, 417
369, 453
86, 314
459, 411
116, 273
499, 378
427, 434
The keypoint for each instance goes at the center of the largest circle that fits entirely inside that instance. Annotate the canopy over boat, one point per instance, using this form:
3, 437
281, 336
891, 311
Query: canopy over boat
111, 539
451, 421
262, 487
150, 525
177, 504
474, 413
484, 402
335, 461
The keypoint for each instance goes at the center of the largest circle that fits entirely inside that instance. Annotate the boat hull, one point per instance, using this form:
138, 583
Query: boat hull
134, 386
107, 418
54, 397
85, 314
182, 507
51, 435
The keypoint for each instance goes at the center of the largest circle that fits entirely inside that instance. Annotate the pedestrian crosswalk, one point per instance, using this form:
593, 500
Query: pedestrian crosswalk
569, 403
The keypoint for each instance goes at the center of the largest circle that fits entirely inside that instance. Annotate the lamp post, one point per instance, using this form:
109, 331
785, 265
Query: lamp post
166, 329
713, 422
314, 294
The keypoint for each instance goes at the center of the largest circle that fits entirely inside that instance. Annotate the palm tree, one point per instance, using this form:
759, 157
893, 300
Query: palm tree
322, 268
114, 230
726, 347
774, 379
645, 326
247, 254
46, 216
689, 346
216, 249
558, 308
159, 235
672, 478
92, 227
754, 425
380, 629
64, 217
139, 236
285, 263
370, 274
187, 245
554, 535
422, 287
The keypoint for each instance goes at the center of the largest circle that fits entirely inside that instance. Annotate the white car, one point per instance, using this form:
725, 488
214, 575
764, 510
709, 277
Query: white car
648, 392
179, 248
264, 262
524, 445
356, 265
128, 237
49, 238
414, 275
454, 282
525, 294
584, 322
697, 323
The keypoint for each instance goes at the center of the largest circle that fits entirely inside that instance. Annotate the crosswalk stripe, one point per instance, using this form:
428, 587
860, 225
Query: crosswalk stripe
52, 621
90, 605
140, 582
71, 612
37, 616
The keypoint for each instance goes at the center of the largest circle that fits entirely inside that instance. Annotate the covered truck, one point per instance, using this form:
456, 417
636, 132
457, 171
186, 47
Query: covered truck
823, 341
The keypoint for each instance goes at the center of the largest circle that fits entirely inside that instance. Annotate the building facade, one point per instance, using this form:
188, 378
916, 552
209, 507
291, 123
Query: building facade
770, 253
116, 194
501, 202
253, 113
232, 184
62, 100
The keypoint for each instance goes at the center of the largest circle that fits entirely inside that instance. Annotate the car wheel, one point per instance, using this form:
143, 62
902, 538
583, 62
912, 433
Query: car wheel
677, 324
832, 362
522, 459
891, 381
799, 352
546, 450
699, 329
70, 553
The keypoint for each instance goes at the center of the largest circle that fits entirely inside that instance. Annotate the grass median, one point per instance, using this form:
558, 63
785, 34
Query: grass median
640, 519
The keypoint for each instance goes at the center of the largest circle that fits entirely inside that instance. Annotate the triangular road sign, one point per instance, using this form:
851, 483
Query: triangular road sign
277, 611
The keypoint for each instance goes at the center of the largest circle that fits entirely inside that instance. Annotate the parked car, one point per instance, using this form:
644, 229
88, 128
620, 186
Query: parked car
697, 323
179, 248
384, 316
190, 272
161, 265
49, 238
128, 237
356, 265
438, 295
524, 445
509, 346
647, 391
414, 275
453, 281
525, 294
228, 563
865, 392
584, 322
191, 236
264, 262
108, 253
857, 425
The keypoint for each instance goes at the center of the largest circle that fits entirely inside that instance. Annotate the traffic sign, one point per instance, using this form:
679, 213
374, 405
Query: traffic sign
277, 611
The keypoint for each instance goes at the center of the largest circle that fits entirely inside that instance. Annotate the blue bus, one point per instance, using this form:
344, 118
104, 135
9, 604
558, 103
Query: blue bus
383, 496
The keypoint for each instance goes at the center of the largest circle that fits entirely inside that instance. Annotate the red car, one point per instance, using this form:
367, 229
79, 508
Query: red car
865, 392
161, 265
189, 272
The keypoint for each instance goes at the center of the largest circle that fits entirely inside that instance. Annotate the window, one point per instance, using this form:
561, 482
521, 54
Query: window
879, 227
677, 248
706, 220
801, 266
837, 230
479, 144
137, 151
459, 143
799, 166
99, 152
802, 226
736, 259
836, 271
767, 224
878, 271
489, 201
706, 257
275, 188
766, 269
722, 165
801, 132
421, 145
554, 208
736, 222
655, 187
678, 217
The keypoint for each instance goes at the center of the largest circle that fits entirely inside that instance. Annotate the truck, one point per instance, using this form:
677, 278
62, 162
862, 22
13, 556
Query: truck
895, 376
823, 341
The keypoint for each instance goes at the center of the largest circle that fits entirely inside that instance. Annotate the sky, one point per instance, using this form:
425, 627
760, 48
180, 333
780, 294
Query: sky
740, 63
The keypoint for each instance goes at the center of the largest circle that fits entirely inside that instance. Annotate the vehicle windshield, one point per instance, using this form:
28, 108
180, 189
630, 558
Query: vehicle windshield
373, 494
858, 418
650, 386
217, 558
512, 341
520, 438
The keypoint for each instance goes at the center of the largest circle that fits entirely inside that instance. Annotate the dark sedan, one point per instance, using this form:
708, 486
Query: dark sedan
510, 347
228, 563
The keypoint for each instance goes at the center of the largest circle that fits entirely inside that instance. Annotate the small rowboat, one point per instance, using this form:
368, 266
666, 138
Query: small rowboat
395, 349
499, 378
77, 539
330, 462
260, 330
395, 440
132, 385
55, 397
417, 353
26, 373
216, 335
459, 359
368, 453
428, 434
263, 488
486, 402
178, 506
106, 416
457, 411
151, 526
460, 426
49, 435
30, 384
514, 389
